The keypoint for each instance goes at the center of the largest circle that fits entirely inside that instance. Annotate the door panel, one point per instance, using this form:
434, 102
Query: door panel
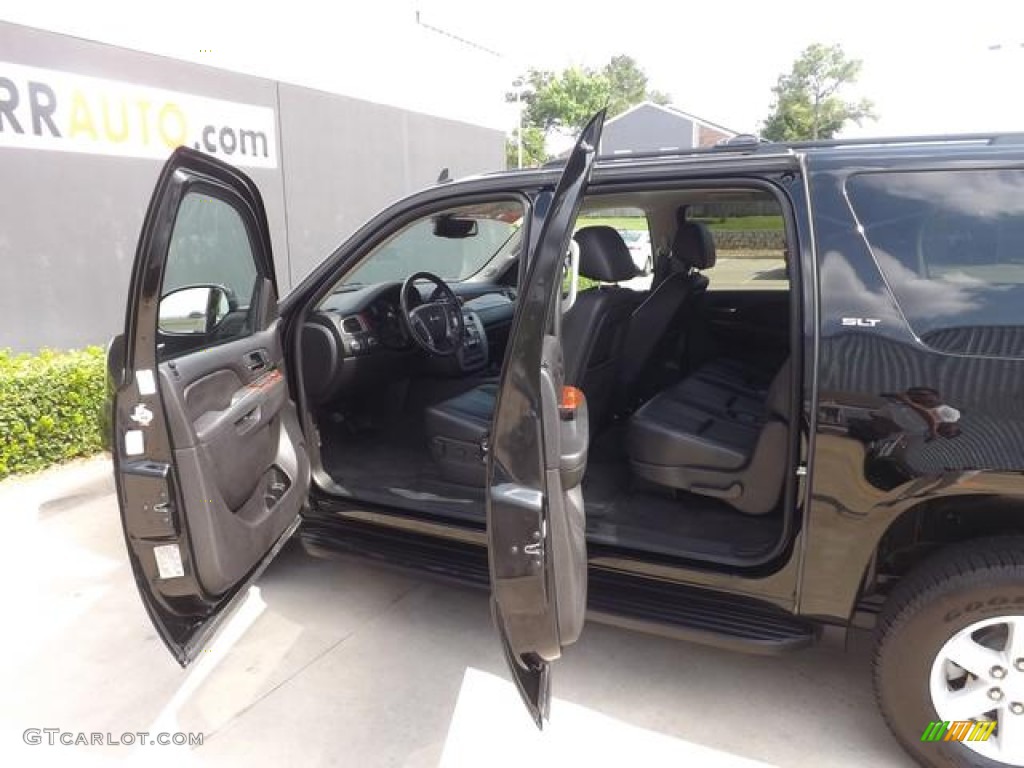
210, 463
235, 422
566, 441
535, 513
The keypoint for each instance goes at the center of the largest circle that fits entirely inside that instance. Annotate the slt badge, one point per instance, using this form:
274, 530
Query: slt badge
142, 415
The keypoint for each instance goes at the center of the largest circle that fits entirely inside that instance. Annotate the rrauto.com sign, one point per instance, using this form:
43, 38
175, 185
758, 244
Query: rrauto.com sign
51, 110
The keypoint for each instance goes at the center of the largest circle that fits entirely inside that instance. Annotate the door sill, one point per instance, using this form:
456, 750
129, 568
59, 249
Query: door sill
658, 607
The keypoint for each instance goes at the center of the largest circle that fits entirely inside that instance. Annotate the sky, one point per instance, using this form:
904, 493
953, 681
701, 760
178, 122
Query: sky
929, 67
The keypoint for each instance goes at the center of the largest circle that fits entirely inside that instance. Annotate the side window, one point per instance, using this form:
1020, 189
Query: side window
631, 224
951, 247
210, 278
750, 244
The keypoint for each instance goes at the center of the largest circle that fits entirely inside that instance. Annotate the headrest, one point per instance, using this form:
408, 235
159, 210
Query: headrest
694, 246
604, 255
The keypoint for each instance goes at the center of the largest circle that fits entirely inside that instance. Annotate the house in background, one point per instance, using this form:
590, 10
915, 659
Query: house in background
650, 127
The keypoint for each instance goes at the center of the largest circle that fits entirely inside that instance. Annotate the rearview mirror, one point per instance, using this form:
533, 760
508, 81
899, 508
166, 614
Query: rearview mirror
194, 310
454, 228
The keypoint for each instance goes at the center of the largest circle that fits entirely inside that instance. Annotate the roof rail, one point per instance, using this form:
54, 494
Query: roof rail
953, 138
749, 144
744, 148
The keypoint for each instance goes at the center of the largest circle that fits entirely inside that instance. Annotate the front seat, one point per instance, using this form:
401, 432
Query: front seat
656, 323
593, 334
594, 330
728, 447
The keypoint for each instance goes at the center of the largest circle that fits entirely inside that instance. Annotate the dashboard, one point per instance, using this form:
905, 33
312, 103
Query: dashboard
358, 338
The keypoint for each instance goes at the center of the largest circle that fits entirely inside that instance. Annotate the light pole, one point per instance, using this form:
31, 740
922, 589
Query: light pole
518, 85
518, 82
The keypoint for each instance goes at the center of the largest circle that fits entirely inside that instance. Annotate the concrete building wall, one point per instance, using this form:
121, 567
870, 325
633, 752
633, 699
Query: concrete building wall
69, 221
345, 159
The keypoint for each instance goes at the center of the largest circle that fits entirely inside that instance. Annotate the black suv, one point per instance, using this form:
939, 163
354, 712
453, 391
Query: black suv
819, 424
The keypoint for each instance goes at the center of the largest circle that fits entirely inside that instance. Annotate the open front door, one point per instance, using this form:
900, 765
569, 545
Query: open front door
210, 463
535, 517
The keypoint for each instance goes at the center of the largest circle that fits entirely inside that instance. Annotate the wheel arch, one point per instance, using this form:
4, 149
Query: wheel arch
923, 529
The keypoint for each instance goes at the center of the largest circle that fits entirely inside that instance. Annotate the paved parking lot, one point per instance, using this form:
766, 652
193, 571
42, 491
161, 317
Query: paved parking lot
731, 272
336, 662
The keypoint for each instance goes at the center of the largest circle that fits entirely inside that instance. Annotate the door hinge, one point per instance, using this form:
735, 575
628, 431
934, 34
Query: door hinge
485, 448
801, 470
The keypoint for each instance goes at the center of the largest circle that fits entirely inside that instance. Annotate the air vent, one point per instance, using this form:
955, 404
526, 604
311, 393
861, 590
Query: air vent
353, 324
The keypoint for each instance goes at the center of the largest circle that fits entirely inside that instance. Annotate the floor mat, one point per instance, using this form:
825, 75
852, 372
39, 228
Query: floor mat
679, 525
394, 467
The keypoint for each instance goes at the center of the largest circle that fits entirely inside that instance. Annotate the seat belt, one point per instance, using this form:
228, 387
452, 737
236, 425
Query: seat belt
663, 259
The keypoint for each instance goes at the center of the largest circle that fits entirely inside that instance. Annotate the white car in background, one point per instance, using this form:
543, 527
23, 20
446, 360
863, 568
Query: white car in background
639, 243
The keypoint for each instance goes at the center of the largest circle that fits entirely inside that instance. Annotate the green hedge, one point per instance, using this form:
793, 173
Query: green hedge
51, 407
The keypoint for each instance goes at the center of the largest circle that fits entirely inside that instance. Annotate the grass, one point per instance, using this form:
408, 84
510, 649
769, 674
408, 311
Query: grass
618, 222
733, 224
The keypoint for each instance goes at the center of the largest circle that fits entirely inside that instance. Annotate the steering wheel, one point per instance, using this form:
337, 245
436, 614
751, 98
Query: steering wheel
436, 325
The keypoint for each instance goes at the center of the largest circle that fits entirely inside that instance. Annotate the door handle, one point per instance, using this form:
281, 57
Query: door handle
256, 361
247, 422
726, 311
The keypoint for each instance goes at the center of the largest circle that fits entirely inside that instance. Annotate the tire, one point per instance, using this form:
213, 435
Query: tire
980, 585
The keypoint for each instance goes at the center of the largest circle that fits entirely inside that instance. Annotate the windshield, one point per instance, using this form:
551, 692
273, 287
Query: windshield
454, 244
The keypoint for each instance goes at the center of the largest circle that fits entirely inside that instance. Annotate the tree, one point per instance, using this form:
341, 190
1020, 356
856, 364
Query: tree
533, 148
627, 86
807, 102
563, 102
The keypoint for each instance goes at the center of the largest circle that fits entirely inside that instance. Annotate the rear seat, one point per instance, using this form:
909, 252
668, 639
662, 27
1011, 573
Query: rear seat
727, 388
721, 392
716, 433
736, 375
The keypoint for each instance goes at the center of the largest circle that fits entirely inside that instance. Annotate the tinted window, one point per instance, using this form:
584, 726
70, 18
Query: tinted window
209, 247
951, 247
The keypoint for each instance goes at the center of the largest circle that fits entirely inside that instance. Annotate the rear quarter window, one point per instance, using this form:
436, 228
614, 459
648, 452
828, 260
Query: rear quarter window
951, 247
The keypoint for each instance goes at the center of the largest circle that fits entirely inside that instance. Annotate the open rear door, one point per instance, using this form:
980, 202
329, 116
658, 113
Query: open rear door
210, 463
535, 516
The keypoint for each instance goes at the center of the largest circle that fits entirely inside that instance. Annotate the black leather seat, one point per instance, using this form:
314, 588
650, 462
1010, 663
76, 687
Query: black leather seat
657, 322
457, 428
715, 435
593, 333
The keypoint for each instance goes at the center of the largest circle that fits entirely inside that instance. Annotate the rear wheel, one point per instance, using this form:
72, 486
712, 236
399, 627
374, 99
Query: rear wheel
951, 650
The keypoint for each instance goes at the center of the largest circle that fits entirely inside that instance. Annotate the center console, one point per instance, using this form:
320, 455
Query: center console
472, 355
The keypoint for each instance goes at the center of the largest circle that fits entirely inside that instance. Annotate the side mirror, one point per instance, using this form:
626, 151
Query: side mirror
572, 276
454, 228
194, 310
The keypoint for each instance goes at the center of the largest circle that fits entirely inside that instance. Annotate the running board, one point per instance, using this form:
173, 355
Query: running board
720, 619
658, 607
